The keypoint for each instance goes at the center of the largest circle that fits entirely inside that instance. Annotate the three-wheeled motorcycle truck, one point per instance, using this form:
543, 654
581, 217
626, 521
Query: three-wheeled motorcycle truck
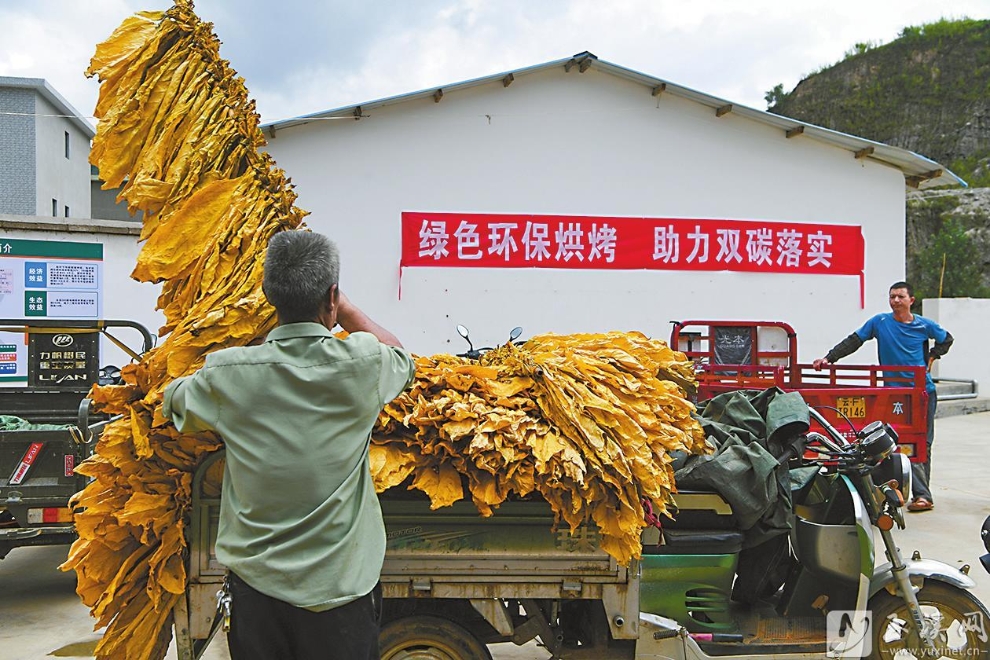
45, 425
454, 582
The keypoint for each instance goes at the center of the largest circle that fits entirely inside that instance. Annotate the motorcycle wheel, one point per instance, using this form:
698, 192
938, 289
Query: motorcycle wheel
429, 638
956, 621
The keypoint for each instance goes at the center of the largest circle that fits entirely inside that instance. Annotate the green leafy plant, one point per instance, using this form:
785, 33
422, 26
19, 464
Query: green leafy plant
861, 48
775, 95
973, 169
948, 267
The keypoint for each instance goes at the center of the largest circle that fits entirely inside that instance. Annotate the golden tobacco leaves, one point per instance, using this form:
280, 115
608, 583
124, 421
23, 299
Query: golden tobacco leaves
585, 421
176, 128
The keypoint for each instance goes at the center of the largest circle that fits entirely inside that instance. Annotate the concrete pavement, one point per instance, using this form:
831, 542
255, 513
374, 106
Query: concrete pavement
41, 617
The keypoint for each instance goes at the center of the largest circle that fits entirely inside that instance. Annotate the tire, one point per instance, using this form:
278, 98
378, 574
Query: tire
429, 638
959, 621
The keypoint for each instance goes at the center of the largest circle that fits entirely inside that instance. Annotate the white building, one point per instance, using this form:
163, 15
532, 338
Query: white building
577, 142
585, 144
44, 152
48, 193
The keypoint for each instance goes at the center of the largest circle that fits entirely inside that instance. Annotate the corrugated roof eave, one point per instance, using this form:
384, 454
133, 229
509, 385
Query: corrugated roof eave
348, 110
914, 166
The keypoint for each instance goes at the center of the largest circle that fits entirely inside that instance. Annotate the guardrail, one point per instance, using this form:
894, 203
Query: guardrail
972, 394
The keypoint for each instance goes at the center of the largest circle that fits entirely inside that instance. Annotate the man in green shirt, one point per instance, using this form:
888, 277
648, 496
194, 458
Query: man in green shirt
301, 530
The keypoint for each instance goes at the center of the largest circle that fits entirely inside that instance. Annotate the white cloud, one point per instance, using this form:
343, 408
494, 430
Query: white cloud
299, 57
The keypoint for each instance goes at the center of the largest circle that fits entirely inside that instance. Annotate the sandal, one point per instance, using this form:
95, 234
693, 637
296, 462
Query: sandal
920, 504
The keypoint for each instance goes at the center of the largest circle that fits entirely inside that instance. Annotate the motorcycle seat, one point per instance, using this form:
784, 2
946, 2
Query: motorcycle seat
697, 542
699, 510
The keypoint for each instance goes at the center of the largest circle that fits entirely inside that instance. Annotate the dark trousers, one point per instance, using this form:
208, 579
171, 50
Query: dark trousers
265, 628
921, 473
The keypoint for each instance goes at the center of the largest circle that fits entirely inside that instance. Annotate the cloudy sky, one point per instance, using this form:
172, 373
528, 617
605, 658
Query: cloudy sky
304, 56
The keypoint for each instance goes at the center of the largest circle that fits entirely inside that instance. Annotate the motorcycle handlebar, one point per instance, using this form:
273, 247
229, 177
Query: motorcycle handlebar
835, 441
475, 353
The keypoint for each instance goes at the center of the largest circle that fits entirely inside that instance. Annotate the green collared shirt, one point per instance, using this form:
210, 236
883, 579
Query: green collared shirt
299, 518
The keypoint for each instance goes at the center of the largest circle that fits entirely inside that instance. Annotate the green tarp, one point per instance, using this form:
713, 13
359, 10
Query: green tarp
750, 431
11, 423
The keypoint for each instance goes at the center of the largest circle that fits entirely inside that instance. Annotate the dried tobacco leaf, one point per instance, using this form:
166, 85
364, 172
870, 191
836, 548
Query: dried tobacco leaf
177, 126
587, 420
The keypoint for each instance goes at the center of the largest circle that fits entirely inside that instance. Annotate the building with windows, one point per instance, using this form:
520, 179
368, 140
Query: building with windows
44, 152
49, 197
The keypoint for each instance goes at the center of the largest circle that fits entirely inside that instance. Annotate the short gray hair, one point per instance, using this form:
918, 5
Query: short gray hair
300, 268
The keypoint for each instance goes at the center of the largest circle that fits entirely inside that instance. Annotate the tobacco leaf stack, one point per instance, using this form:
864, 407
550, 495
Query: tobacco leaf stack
584, 421
179, 134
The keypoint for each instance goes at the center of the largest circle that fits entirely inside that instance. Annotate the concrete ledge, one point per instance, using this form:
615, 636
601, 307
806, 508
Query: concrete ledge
69, 225
962, 407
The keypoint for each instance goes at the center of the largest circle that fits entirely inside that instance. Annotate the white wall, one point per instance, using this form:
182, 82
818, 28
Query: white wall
64, 179
585, 144
123, 298
967, 319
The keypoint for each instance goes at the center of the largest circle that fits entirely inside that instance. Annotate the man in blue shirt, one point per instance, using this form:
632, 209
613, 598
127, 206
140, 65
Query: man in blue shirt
902, 339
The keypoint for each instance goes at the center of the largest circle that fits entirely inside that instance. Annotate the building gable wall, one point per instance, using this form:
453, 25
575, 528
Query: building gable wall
589, 144
18, 158
62, 176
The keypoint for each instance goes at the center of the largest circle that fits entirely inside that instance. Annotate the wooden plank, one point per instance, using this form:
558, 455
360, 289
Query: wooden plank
723, 110
792, 132
357, 112
571, 63
585, 64
437, 95
659, 89
508, 80
916, 180
864, 152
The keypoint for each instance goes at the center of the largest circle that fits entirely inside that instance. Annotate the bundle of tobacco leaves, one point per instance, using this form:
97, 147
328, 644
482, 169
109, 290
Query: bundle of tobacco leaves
585, 420
177, 129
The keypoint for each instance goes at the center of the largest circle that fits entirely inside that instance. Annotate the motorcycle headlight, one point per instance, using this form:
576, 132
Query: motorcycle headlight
878, 442
896, 467
985, 533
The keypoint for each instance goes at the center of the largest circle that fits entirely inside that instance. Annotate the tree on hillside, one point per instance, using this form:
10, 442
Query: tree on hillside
775, 95
949, 267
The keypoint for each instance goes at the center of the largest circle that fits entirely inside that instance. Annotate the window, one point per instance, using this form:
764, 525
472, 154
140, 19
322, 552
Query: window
54, 208
67, 211
67, 144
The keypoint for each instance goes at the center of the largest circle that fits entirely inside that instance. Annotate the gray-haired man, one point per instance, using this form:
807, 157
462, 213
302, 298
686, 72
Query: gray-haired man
301, 529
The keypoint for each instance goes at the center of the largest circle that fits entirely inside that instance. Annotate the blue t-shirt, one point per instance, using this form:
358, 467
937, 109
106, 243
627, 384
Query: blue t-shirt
903, 343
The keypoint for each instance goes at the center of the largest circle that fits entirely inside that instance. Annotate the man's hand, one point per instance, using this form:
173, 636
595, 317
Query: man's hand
819, 363
352, 319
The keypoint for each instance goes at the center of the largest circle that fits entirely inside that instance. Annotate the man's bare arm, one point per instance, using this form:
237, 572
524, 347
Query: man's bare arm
352, 319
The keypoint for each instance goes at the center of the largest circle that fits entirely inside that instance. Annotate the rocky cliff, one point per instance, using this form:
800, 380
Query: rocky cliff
927, 91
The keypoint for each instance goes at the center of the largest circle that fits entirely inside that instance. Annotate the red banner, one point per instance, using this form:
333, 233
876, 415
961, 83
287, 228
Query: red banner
467, 240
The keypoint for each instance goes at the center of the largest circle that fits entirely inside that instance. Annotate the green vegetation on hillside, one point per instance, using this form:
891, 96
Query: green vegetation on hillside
947, 259
927, 91
945, 28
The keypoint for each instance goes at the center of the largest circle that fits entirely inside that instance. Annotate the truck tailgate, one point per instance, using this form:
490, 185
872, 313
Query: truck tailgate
454, 552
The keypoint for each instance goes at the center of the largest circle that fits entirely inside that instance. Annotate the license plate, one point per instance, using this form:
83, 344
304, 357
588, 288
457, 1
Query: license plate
853, 407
